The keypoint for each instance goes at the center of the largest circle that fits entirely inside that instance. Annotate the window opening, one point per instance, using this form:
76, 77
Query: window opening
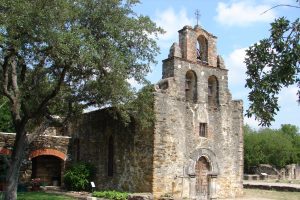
110, 163
203, 129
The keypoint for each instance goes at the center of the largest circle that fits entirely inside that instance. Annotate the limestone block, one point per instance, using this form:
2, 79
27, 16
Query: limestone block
175, 51
140, 196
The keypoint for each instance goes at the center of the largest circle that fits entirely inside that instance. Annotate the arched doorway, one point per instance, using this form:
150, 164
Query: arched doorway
202, 180
48, 168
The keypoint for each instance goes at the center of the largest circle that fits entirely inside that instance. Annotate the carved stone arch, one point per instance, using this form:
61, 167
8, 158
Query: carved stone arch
202, 49
191, 86
207, 154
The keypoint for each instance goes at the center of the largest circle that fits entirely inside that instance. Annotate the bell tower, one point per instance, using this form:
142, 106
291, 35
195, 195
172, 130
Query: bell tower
198, 127
198, 45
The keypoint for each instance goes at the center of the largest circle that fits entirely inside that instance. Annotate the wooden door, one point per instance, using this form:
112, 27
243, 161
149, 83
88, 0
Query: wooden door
202, 182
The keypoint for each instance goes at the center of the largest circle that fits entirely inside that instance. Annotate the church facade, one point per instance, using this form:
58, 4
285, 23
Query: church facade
194, 149
198, 126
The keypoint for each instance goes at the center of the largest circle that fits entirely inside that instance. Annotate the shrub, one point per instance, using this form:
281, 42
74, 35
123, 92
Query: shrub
115, 195
78, 176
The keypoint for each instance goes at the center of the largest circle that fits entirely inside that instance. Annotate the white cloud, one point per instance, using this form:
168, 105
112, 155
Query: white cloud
251, 122
243, 13
171, 21
288, 95
236, 66
134, 83
277, 2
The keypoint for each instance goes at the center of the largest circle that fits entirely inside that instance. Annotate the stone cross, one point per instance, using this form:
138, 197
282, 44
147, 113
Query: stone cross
198, 15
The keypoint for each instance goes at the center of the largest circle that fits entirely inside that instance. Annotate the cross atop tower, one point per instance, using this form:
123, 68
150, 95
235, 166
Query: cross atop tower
198, 15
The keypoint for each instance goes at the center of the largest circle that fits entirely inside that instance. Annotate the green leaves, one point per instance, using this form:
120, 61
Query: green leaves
78, 176
114, 195
73, 54
272, 63
5, 116
269, 146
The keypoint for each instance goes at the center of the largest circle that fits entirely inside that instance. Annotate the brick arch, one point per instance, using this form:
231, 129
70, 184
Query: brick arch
49, 152
5, 151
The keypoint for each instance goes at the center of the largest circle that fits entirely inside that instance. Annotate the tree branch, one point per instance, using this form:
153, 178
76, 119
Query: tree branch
5, 77
280, 5
53, 93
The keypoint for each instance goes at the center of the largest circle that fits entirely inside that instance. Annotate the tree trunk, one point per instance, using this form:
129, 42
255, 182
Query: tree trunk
12, 176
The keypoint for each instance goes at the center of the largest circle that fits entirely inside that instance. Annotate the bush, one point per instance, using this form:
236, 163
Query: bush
115, 195
78, 176
277, 147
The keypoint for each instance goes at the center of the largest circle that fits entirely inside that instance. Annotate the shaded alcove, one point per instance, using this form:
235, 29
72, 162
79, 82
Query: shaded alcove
213, 91
48, 168
191, 86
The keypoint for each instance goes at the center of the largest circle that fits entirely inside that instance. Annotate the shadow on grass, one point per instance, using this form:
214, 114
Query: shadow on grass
40, 195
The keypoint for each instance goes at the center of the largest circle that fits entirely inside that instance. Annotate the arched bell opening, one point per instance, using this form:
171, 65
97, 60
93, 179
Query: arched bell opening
191, 86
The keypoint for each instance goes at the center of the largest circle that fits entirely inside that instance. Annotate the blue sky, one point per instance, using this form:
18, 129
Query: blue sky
237, 24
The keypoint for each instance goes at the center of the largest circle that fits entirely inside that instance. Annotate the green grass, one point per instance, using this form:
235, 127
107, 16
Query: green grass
270, 194
41, 196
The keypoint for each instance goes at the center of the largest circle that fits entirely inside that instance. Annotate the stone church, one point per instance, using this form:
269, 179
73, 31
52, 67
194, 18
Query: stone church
194, 150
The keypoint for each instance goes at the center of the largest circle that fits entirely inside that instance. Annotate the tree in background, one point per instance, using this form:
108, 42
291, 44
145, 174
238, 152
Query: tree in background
270, 146
273, 63
6, 124
60, 57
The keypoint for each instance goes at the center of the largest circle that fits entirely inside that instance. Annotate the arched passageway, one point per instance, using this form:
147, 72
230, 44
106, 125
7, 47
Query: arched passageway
48, 168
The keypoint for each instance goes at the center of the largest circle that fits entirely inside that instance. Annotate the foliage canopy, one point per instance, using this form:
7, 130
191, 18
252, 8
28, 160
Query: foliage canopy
60, 57
270, 146
71, 54
272, 63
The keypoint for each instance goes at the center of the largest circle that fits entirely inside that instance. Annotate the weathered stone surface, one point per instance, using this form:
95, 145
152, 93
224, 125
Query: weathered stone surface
177, 144
175, 51
48, 144
132, 151
140, 196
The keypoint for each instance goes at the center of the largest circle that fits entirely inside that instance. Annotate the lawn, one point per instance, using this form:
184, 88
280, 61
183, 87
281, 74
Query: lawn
41, 195
269, 194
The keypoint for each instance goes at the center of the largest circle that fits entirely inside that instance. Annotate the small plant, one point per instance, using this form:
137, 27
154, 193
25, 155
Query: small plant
78, 176
36, 182
115, 195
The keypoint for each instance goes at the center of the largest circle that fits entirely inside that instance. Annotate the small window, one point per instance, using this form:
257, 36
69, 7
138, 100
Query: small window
77, 149
203, 129
110, 163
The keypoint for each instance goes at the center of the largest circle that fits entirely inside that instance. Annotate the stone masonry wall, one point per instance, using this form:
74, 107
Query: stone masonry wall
133, 149
177, 143
45, 144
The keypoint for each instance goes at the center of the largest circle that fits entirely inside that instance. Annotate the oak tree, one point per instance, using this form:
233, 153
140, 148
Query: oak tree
59, 57
272, 63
